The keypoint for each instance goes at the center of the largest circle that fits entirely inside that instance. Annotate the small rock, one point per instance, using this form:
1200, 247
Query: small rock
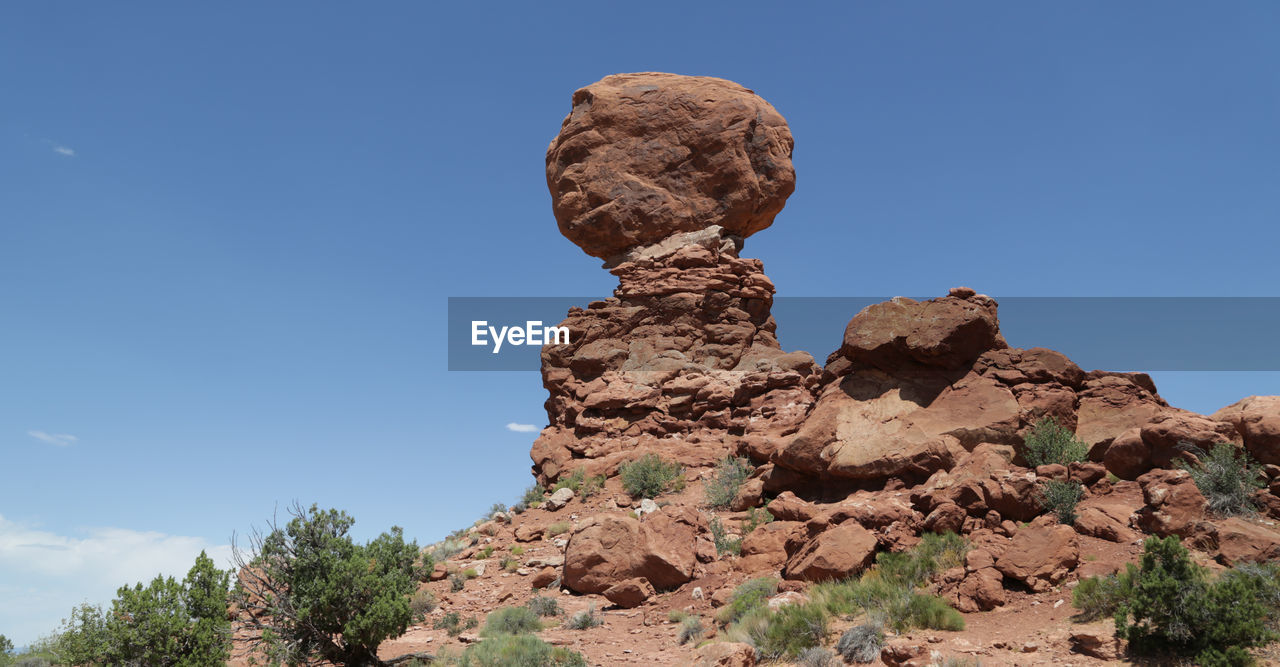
1030, 647
696, 593
559, 499
646, 506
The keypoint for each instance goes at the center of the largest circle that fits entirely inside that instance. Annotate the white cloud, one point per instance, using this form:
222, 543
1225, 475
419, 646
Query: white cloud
522, 428
63, 150
59, 439
52, 572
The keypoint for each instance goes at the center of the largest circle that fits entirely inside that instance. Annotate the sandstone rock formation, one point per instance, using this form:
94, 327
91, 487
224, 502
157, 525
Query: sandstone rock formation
665, 175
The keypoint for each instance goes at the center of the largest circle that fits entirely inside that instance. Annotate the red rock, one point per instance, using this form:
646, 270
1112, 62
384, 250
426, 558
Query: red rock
1257, 420
1052, 471
1128, 456
1170, 433
1087, 473
838, 553
981, 590
1097, 641
646, 156
950, 332
1244, 541
765, 547
526, 532
903, 655
946, 518
629, 593
607, 549
787, 507
1108, 517
725, 654
1111, 404
1174, 506
1040, 556
749, 495
544, 577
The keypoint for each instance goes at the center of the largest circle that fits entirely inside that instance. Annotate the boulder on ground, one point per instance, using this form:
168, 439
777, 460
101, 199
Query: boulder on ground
1257, 420
1174, 506
838, 553
629, 593
1040, 555
608, 549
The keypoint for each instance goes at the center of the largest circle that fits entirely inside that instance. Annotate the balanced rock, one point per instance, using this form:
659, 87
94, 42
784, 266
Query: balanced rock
643, 157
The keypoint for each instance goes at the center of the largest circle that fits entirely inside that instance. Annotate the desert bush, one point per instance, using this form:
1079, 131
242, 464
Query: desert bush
495, 509
533, 495
511, 621
510, 564
585, 619
558, 528
725, 544
728, 477
470, 573
1100, 597
677, 616
818, 656
518, 651
457, 582
454, 624
691, 630
1049, 442
781, 634
932, 612
1061, 498
516, 550
422, 603
322, 594
861, 643
650, 476
583, 486
1227, 478
544, 606
747, 597
446, 549
1175, 608
756, 517
483, 553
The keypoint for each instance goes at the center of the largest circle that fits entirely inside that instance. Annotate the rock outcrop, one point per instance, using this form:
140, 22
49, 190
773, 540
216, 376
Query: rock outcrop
665, 176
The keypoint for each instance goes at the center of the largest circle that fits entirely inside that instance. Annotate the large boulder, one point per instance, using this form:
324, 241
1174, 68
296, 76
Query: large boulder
609, 549
1040, 555
1257, 420
1244, 541
838, 553
642, 157
950, 332
1173, 504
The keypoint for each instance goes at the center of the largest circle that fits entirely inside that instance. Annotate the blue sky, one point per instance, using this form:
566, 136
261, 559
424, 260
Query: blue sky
228, 232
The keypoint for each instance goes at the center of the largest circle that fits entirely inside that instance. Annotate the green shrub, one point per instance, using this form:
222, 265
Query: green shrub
510, 564
495, 509
517, 550
1100, 597
1175, 608
784, 633
446, 549
544, 606
484, 553
519, 651
558, 528
756, 517
470, 573
932, 612
677, 616
582, 485
533, 494
511, 621
585, 619
457, 582
723, 486
747, 597
1227, 478
453, 623
1060, 498
691, 630
721, 538
649, 476
422, 603
861, 643
1048, 442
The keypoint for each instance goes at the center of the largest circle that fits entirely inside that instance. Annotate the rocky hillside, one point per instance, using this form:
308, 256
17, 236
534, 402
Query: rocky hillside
801, 474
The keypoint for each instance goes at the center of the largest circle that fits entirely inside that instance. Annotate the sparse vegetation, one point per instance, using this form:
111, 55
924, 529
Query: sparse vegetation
523, 650
510, 564
756, 517
511, 621
691, 630
1061, 498
516, 550
782, 634
446, 549
470, 573
323, 595
497, 508
650, 476
747, 597
725, 543
818, 656
484, 553
1100, 597
454, 625
457, 582
1176, 608
558, 528
583, 486
422, 603
533, 495
585, 619
1049, 442
543, 605
861, 644
1227, 478
729, 476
